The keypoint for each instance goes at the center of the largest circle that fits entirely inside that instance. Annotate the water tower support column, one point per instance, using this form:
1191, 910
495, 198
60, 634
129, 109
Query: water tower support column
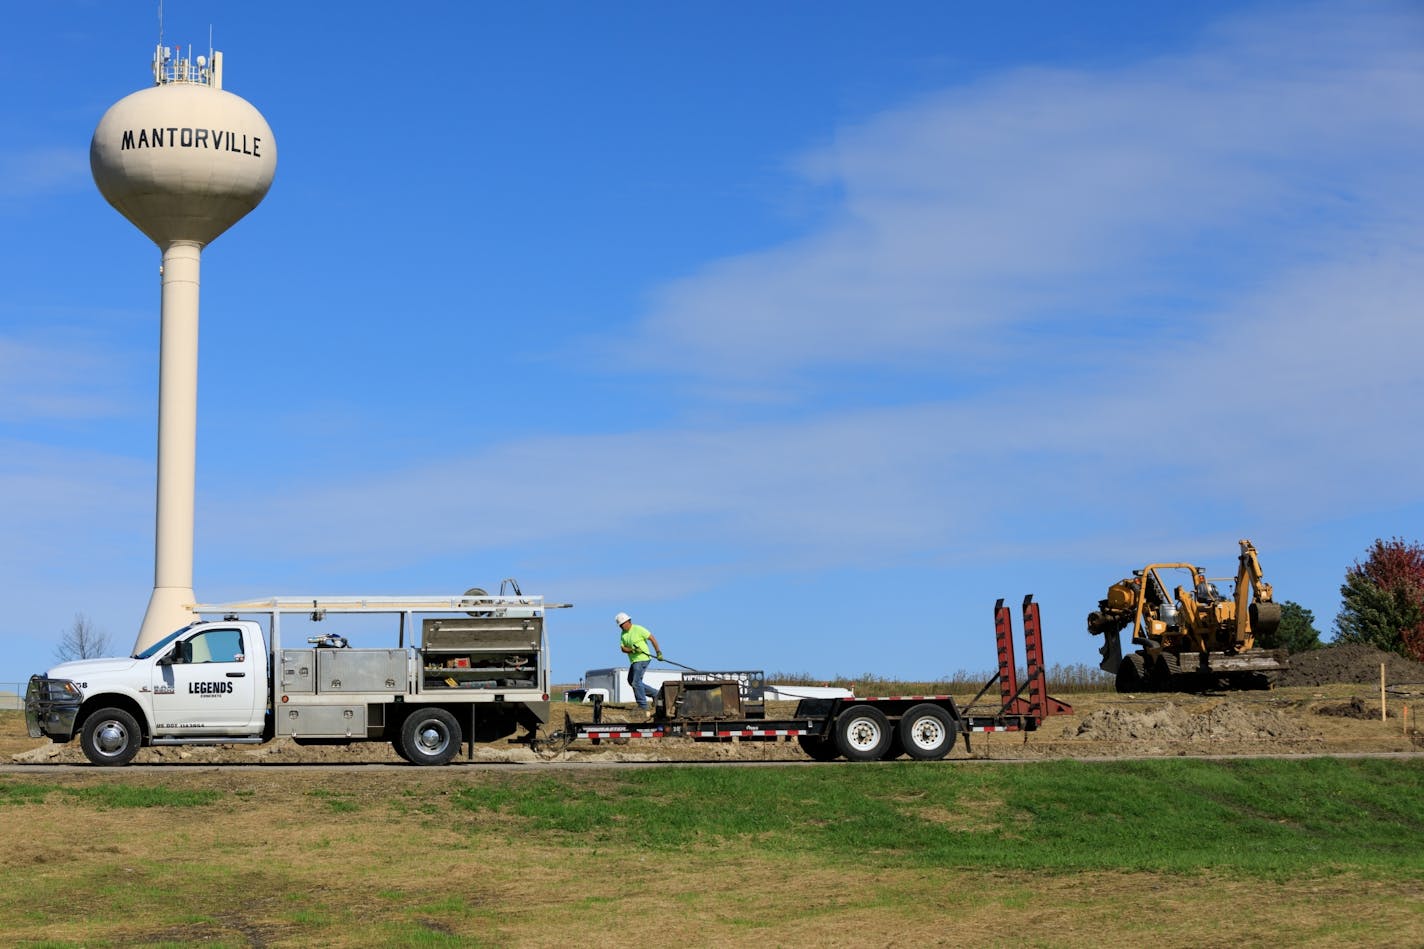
169, 607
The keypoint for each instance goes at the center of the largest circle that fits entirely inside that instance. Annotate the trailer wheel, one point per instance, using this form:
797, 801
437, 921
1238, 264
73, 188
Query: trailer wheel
926, 732
818, 748
430, 736
110, 738
862, 733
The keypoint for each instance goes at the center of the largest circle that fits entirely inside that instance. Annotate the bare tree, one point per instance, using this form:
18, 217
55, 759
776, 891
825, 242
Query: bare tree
82, 641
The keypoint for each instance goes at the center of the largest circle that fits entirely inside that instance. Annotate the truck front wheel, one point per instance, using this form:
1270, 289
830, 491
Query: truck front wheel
110, 737
430, 736
862, 733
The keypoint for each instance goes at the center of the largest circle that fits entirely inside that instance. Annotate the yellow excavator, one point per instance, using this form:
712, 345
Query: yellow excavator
1191, 639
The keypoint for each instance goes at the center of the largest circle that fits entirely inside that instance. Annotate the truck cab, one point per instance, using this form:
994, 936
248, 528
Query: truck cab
206, 680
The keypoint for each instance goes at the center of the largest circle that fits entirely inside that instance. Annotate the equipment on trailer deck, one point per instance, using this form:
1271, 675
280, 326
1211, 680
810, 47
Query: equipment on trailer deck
724, 706
1193, 638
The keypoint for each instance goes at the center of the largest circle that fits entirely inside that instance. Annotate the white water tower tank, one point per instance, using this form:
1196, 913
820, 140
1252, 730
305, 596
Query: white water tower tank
183, 160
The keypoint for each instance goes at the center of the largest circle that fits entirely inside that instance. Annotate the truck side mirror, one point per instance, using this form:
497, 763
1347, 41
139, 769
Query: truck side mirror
183, 651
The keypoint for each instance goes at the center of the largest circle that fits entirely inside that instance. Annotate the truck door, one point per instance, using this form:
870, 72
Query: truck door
206, 685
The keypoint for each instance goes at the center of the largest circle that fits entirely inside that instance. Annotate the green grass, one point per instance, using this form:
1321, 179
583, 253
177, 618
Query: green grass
23, 792
1274, 817
335, 801
484, 844
1264, 817
106, 796
124, 795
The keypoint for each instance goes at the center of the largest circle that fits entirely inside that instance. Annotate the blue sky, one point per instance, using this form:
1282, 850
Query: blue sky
800, 331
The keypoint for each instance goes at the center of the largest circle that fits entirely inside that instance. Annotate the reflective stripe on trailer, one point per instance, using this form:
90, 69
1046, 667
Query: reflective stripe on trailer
626, 733
748, 733
994, 728
897, 698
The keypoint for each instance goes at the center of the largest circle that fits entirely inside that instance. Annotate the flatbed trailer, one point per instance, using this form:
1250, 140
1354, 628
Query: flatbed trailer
709, 707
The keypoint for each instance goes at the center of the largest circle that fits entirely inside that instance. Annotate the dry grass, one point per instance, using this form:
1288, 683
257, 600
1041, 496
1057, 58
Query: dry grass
383, 858
356, 857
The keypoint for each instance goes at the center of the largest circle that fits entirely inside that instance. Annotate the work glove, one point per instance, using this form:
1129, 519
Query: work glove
660, 656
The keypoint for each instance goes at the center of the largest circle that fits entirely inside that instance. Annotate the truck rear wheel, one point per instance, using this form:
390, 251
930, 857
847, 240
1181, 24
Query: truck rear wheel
430, 736
398, 746
110, 738
862, 733
927, 732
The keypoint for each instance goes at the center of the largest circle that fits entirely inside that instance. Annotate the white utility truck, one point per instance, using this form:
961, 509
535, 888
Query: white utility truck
479, 673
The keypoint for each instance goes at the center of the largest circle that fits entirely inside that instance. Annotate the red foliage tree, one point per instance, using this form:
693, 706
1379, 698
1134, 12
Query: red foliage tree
1383, 599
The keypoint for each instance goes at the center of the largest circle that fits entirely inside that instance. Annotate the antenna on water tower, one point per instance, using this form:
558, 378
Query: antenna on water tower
183, 160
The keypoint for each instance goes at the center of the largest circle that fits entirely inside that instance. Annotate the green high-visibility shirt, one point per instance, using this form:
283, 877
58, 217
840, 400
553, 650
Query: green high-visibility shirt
636, 639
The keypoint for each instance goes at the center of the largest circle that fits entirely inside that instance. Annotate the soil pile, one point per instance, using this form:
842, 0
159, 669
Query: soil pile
1349, 663
1170, 723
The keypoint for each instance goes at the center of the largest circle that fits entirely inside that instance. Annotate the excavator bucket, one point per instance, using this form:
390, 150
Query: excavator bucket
1265, 618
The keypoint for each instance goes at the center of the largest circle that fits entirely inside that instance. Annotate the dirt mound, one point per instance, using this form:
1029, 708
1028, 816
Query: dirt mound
1349, 663
1170, 723
1355, 708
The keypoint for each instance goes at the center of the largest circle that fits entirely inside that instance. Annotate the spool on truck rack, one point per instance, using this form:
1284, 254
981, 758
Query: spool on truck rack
709, 707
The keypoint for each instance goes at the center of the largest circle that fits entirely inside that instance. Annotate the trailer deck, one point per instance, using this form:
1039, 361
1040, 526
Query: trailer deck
729, 707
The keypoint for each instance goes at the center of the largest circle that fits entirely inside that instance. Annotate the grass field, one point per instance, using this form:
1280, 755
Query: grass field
1170, 852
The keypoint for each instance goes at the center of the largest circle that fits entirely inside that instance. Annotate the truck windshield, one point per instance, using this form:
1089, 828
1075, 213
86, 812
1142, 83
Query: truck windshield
158, 646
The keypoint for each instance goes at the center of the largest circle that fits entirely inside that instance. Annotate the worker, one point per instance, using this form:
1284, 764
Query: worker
634, 642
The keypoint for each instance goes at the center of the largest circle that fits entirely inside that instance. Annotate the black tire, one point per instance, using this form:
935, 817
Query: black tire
818, 748
430, 736
398, 746
111, 737
1132, 674
863, 733
926, 732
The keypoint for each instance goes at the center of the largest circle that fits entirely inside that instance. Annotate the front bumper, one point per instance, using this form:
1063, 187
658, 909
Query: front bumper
51, 705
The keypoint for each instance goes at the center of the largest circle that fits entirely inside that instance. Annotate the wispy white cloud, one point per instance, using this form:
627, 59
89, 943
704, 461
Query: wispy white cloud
1072, 201
62, 373
1141, 310
33, 172
1198, 273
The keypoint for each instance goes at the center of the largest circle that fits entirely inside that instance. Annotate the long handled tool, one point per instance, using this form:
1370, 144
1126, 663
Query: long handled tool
679, 665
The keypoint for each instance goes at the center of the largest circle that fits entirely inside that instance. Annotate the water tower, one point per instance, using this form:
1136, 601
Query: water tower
183, 160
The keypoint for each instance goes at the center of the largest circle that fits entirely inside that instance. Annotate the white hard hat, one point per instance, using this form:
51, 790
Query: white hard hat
621, 618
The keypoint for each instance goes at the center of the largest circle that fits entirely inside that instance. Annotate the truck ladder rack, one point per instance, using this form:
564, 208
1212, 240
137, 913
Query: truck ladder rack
503, 605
